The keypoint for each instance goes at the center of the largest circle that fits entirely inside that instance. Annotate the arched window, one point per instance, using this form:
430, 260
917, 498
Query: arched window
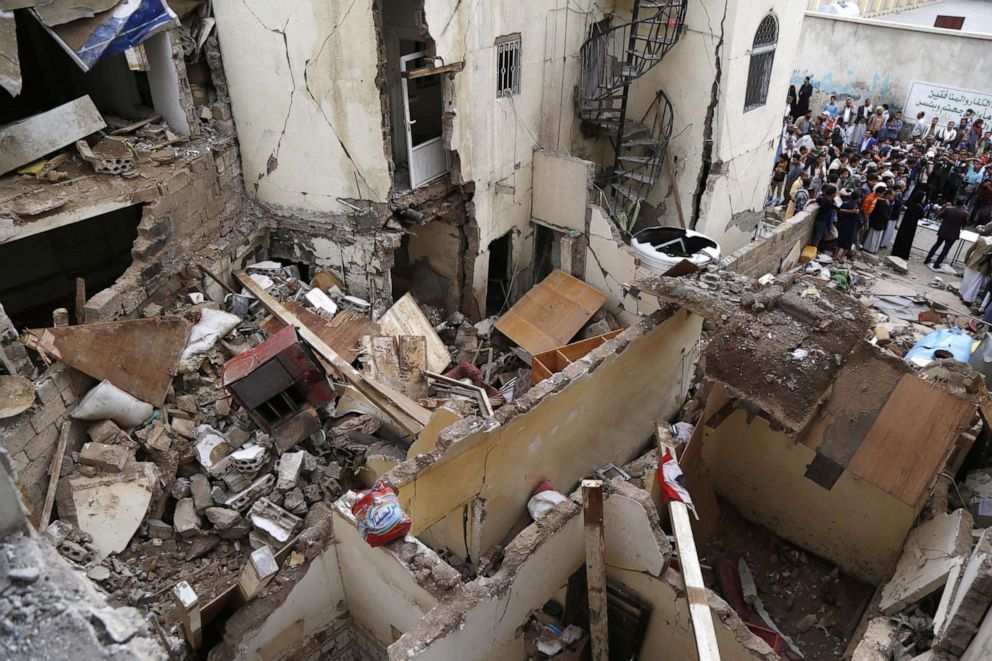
762, 57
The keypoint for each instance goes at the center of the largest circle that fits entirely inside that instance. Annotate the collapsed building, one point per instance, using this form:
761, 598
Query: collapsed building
263, 256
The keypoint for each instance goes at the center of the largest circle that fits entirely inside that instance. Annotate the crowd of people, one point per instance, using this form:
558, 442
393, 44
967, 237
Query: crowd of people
873, 176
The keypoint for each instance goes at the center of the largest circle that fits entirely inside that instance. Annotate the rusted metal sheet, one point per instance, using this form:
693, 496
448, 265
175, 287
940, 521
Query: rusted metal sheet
138, 356
551, 313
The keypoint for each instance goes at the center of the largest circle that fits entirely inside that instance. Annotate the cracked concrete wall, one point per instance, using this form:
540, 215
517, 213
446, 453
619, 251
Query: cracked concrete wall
743, 144
495, 137
601, 409
302, 79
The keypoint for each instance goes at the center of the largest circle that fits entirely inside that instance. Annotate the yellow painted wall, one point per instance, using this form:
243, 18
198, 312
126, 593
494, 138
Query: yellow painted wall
761, 472
602, 417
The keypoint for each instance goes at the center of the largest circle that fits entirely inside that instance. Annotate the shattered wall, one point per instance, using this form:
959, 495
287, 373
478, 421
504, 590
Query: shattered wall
856, 71
561, 430
484, 619
320, 136
775, 251
722, 155
349, 588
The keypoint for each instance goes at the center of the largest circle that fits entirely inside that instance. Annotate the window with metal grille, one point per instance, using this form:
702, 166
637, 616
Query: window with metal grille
759, 76
508, 65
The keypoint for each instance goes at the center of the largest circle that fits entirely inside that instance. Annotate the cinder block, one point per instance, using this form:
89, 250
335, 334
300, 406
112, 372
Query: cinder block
16, 435
43, 443
43, 415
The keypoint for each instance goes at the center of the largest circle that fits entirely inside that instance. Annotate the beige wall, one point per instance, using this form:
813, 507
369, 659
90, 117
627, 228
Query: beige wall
637, 556
761, 472
601, 417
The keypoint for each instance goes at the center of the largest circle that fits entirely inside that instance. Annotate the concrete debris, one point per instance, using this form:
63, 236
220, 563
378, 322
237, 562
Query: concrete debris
222, 518
970, 602
273, 520
930, 554
185, 519
109, 458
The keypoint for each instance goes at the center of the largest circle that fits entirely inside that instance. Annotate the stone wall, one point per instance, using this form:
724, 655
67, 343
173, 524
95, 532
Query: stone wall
779, 248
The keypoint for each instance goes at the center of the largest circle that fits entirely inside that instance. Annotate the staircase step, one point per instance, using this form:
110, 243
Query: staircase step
645, 56
651, 39
642, 142
628, 192
639, 160
636, 176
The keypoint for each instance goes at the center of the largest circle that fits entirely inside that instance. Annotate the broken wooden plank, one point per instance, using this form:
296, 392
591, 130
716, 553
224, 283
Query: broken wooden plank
138, 356
29, 139
470, 389
80, 312
911, 439
406, 318
343, 333
695, 590
454, 67
551, 313
46, 511
595, 542
405, 412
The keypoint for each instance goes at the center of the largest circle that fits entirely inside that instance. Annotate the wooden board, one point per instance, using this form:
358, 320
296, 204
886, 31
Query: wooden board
545, 364
29, 139
911, 439
138, 356
551, 313
343, 333
406, 318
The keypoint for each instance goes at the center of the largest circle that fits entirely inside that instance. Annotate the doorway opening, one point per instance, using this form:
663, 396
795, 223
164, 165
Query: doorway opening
39, 271
547, 252
500, 276
416, 102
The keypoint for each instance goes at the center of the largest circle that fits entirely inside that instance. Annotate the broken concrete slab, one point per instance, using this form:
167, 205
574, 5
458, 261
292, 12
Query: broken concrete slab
930, 554
107, 431
185, 519
273, 520
29, 139
139, 356
199, 487
288, 470
110, 458
10, 66
222, 518
109, 507
971, 600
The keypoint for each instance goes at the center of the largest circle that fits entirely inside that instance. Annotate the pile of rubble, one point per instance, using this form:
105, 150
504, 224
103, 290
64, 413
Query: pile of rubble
215, 429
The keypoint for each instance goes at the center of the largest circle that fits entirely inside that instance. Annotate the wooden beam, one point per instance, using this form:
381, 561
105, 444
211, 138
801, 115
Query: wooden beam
80, 301
675, 186
404, 411
432, 71
53, 481
592, 502
188, 609
207, 272
692, 575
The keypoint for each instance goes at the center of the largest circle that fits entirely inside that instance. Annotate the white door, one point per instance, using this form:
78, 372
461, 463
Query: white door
422, 96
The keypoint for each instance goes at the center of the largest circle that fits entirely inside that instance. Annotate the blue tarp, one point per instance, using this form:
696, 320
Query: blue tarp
954, 341
127, 25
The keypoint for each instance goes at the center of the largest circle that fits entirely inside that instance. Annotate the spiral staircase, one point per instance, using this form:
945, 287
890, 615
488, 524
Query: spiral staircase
612, 59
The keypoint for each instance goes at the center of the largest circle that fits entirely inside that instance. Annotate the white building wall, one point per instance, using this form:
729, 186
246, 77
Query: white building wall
302, 79
744, 143
876, 60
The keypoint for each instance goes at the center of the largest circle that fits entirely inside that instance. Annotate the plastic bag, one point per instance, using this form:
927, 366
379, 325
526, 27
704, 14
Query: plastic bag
380, 517
542, 502
213, 325
108, 402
